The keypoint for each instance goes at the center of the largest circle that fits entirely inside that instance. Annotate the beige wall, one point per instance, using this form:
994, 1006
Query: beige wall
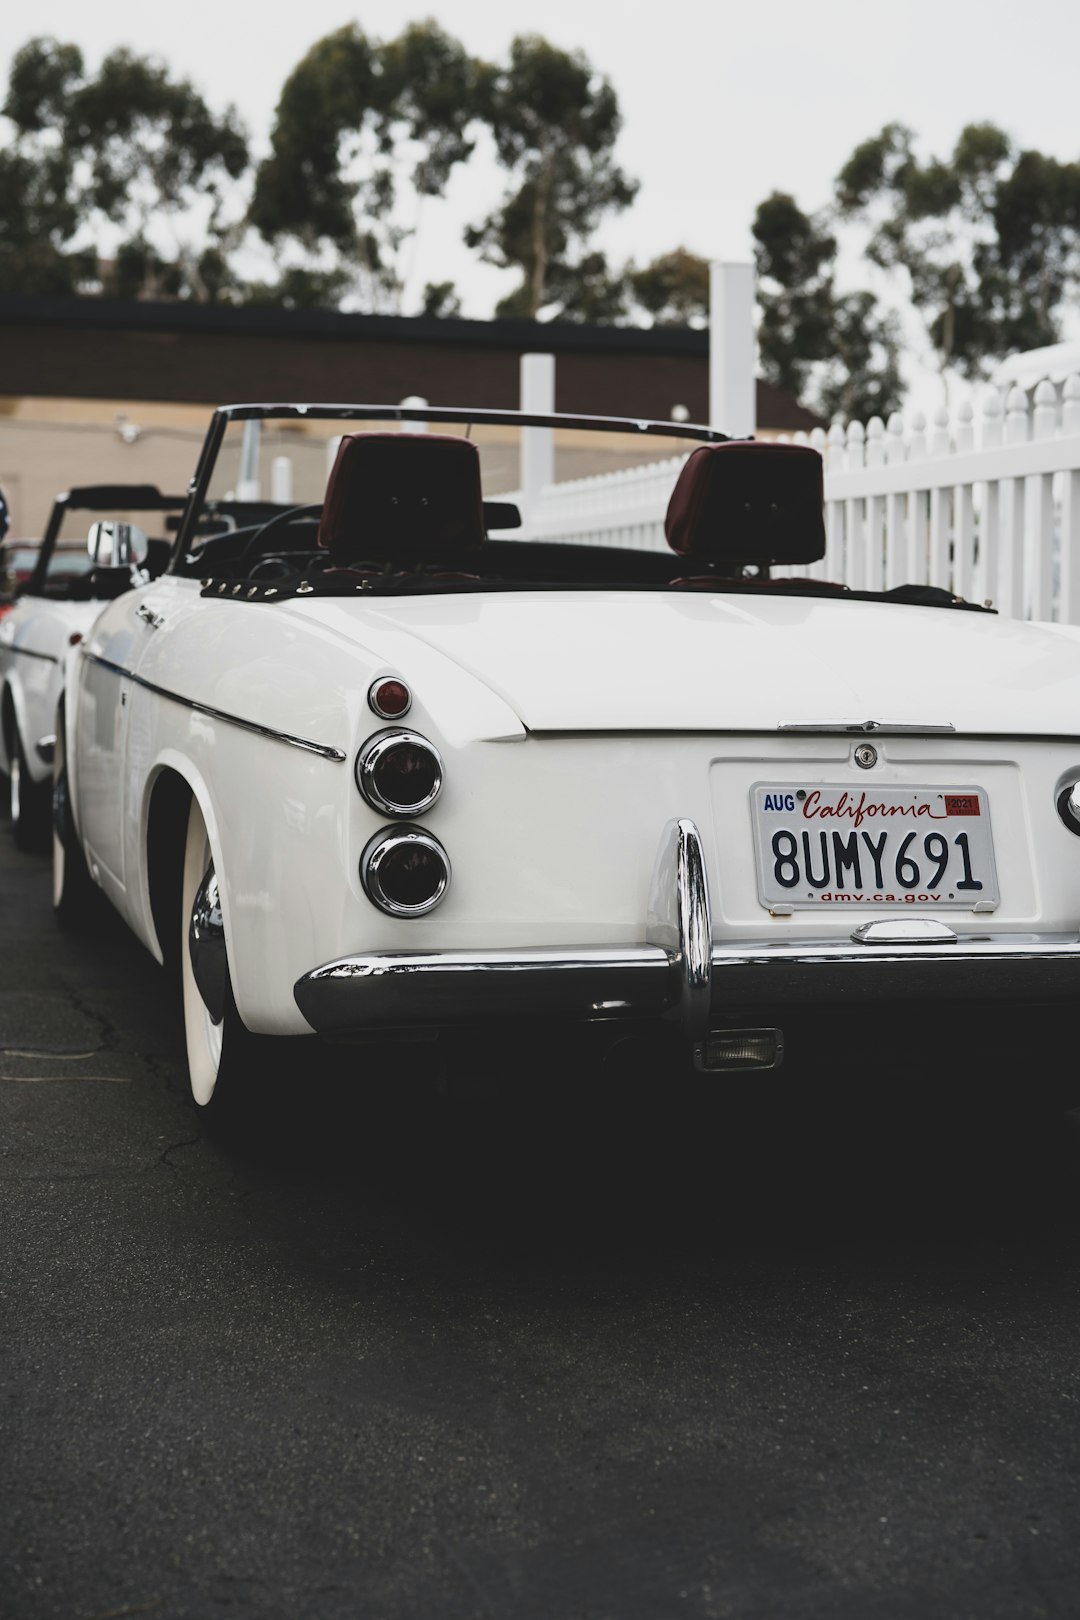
49, 445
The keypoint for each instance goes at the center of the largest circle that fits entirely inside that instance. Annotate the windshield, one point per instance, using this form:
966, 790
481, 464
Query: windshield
428, 501
290, 460
401, 524
66, 563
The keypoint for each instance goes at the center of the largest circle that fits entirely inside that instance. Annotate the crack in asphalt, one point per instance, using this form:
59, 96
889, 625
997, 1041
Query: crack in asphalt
110, 1038
174, 1147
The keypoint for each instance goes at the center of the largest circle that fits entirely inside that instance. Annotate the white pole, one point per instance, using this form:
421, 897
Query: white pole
537, 448
414, 402
248, 487
732, 388
281, 481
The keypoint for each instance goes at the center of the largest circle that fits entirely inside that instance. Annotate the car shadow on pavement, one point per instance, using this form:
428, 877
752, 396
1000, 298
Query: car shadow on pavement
540, 1152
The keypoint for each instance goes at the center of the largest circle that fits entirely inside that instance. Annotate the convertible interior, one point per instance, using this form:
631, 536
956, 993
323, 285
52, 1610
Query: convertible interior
64, 569
404, 514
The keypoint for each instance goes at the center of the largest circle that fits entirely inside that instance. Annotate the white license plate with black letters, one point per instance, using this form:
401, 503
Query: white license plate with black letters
824, 844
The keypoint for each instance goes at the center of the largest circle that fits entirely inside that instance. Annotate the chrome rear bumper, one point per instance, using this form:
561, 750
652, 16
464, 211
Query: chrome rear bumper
678, 972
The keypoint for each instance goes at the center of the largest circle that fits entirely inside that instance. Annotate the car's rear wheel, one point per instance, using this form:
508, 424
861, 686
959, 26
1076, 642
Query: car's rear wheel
76, 901
223, 1056
30, 802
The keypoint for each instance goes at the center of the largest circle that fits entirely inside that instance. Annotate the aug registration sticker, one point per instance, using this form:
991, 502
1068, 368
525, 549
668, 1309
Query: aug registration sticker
824, 844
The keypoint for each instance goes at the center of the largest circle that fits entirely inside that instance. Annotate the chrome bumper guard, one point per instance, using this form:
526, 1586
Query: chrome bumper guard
679, 973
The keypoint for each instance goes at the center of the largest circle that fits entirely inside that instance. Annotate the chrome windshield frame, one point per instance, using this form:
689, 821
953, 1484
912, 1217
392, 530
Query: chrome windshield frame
445, 414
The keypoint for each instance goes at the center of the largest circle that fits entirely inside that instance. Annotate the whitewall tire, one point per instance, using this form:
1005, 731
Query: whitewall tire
76, 902
30, 803
222, 1056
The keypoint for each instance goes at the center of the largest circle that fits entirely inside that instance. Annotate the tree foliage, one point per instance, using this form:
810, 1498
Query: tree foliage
555, 122
348, 108
837, 352
989, 238
440, 299
673, 290
128, 148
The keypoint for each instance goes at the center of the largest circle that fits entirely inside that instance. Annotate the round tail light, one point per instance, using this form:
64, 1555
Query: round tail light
390, 699
399, 773
405, 872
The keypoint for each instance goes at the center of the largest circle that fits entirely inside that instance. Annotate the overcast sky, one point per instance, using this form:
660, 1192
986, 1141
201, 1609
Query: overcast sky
722, 102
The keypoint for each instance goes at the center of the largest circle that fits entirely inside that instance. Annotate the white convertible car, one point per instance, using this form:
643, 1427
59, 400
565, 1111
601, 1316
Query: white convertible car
366, 767
54, 609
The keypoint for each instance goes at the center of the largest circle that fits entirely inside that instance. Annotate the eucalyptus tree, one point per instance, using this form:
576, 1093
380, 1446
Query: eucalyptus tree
40, 205
837, 352
116, 156
355, 119
673, 289
1032, 273
987, 237
555, 122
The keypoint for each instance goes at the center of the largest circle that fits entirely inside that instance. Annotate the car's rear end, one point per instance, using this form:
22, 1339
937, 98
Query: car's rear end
809, 871
638, 790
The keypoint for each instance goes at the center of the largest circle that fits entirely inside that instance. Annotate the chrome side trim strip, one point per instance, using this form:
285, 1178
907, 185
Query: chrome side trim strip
309, 747
28, 652
884, 728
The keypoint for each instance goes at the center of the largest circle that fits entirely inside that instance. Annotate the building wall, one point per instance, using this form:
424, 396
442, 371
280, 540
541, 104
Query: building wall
75, 371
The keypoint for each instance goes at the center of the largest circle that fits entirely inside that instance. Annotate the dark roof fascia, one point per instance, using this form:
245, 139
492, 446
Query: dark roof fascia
558, 337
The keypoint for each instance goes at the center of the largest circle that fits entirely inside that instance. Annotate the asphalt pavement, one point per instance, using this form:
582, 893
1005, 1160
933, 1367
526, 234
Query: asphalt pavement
564, 1345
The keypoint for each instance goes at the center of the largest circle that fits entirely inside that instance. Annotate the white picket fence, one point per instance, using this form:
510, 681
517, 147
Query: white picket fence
988, 507
624, 508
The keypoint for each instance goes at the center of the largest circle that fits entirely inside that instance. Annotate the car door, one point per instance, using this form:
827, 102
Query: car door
108, 656
113, 739
40, 632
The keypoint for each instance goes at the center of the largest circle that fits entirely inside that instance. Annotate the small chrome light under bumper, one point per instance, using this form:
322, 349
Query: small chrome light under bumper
679, 973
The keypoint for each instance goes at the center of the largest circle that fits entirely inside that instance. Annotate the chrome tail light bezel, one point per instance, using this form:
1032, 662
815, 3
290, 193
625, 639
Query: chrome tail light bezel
373, 860
367, 763
1067, 799
373, 698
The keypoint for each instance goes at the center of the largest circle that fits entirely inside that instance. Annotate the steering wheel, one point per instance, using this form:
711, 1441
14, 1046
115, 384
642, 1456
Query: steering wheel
280, 520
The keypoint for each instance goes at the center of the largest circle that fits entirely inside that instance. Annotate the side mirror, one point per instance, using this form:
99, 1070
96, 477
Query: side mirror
117, 545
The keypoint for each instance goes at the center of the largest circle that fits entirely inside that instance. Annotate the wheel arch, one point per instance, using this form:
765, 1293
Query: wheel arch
10, 720
170, 788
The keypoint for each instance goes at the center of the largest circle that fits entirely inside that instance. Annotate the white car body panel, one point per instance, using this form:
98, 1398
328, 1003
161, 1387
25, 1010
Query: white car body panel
34, 641
642, 661
573, 726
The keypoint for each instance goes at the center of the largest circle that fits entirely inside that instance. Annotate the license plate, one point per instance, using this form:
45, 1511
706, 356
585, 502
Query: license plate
824, 844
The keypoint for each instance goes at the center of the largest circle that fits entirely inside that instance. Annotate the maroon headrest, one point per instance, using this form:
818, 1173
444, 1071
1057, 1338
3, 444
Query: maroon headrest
403, 498
749, 502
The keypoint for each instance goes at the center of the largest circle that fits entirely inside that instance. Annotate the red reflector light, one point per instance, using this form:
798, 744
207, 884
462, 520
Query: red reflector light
390, 699
74, 638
